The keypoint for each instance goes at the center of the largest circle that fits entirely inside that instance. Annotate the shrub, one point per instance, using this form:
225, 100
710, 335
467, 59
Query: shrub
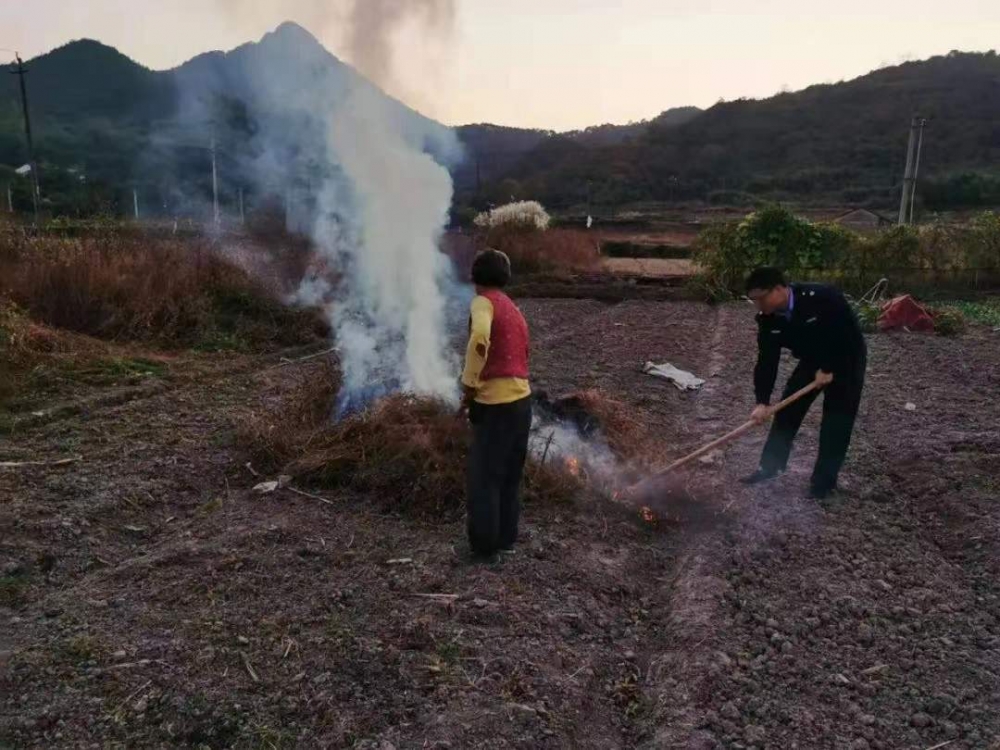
773, 236
984, 243
948, 321
726, 253
868, 315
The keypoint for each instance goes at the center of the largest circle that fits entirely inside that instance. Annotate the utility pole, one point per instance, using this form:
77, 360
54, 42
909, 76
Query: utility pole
10, 199
215, 187
135, 202
908, 175
916, 167
35, 193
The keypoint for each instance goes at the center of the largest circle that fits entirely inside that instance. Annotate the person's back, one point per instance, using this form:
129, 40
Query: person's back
497, 397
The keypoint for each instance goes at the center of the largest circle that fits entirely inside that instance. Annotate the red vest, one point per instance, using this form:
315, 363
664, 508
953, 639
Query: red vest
509, 342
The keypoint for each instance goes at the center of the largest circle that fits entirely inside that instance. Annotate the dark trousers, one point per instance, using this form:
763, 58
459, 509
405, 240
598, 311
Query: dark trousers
496, 465
840, 408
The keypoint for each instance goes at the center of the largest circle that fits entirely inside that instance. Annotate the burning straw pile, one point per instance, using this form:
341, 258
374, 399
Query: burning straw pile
409, 453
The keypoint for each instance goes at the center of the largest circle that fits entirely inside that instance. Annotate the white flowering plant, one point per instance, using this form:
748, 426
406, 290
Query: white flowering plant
519, 215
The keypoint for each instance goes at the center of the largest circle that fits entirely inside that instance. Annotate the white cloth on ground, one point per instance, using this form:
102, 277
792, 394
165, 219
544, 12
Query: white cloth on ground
684, 380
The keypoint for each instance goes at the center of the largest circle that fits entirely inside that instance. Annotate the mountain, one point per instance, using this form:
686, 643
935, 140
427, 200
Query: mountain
104, 116
842, 142
494, 151
123, 126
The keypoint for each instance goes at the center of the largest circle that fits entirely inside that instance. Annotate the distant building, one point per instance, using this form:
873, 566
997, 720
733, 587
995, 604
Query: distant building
863, 220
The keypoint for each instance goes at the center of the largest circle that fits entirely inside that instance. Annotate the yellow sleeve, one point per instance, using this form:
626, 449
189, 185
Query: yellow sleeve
481, 317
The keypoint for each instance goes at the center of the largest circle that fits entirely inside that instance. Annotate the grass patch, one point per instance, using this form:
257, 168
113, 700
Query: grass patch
211, 507
216, 341
265, 737
948, 321
14, 590
78, 649
985, 312
617, 249
115, 370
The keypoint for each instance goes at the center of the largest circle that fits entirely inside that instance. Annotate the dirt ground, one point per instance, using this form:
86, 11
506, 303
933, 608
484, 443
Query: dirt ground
149, 599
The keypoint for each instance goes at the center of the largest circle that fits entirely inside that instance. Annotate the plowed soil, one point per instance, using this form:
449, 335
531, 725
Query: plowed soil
148, 598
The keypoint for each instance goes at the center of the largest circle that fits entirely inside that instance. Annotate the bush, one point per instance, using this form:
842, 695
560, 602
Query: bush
910, 256
985, 312
984, 242
948, 321
726, 253
868, 315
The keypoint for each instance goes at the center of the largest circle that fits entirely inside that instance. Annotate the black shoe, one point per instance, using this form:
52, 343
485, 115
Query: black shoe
484, 558
761, 475
480, 557
821, 491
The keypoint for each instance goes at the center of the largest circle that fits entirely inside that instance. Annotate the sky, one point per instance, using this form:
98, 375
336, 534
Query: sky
553, 64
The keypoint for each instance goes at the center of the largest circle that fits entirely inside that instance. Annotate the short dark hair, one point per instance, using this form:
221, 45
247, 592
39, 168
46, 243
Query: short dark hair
765, 277
491, 268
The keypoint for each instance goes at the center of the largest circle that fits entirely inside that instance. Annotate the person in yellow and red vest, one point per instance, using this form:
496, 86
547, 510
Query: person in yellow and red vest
497, 399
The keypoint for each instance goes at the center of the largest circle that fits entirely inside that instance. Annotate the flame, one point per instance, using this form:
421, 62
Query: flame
648, 515
573, 466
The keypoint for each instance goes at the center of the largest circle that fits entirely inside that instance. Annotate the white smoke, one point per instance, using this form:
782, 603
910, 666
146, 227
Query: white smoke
374, 23
390, 316
363, 176
366, 30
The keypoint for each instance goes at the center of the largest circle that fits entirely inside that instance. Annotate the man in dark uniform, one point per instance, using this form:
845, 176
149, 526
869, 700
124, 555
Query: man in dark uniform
818, 326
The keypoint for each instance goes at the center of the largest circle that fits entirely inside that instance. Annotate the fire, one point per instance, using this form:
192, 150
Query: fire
648, 515
573, 466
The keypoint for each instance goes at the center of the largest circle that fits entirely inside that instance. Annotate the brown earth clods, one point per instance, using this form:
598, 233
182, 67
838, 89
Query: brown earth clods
148, 598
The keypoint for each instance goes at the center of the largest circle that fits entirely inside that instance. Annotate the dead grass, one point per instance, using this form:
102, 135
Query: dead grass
650, 267
553, 250
408, 452
127, 287
626, 434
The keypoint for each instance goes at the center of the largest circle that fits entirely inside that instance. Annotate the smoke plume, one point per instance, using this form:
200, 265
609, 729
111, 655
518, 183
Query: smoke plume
373, 24
389, 312
366, 177
365, 29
